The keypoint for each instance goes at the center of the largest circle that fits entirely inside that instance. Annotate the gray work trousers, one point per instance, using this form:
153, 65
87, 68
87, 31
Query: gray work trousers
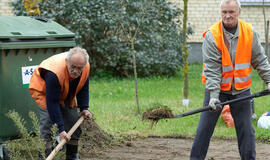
70, 117
241, 113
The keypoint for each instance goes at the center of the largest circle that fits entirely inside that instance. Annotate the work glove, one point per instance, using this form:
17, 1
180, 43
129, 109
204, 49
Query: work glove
214, 103
268, 86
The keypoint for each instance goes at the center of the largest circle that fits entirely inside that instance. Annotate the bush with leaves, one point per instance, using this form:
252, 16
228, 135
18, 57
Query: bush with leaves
28, 145
105, 29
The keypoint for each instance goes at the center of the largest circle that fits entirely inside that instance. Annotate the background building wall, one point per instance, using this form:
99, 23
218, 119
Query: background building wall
204, 13
201, 15
5, 9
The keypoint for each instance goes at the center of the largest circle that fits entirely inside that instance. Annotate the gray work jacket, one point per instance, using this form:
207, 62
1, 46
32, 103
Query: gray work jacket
213, 63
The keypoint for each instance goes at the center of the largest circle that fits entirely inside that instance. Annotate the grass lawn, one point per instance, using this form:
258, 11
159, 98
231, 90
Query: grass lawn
114, 106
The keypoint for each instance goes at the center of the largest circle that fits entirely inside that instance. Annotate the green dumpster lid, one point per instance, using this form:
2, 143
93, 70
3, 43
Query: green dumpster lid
33, 32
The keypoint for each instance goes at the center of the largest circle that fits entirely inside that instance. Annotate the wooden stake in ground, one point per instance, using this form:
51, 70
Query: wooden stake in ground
185, 54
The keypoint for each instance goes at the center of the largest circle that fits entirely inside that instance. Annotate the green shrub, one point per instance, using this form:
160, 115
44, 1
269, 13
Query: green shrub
101, 27
28, 145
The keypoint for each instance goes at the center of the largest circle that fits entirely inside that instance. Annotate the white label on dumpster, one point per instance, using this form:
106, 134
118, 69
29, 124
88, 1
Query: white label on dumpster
26, 75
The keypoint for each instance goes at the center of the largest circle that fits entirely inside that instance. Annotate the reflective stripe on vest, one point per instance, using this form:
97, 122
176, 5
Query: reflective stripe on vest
241, 72
203, 75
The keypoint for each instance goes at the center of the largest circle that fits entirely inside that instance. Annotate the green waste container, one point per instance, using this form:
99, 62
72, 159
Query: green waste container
24, 43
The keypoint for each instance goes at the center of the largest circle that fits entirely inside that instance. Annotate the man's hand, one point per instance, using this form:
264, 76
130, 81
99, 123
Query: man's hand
64, 135
215, 104
86, 115
268, 86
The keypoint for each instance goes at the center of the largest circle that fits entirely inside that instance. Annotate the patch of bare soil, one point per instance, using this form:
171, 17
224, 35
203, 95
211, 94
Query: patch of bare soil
175, 149
95, 144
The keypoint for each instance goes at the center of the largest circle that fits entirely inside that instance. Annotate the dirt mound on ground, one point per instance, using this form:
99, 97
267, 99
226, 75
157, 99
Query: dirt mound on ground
93, 138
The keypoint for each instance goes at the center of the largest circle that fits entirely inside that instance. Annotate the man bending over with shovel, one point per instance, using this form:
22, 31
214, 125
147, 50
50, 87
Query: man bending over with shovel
230, 47
54, 85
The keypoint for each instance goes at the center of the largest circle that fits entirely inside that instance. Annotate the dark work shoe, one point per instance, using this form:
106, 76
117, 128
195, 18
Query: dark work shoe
72, 152
73, 156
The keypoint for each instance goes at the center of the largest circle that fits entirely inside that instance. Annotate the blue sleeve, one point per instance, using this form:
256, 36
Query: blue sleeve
83, 96
53, 93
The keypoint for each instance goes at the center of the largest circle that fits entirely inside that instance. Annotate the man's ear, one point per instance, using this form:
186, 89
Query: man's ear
239, 11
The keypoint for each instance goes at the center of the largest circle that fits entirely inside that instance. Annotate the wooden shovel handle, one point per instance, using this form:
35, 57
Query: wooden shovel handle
63, 141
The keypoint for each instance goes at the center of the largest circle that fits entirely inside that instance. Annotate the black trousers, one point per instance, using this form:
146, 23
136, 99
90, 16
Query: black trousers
241, 113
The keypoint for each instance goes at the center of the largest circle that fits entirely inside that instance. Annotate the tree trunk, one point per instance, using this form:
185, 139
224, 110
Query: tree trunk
135, 74
185, 50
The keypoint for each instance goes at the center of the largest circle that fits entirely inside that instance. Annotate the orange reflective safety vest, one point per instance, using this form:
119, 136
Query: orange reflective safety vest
56, 64
241, 71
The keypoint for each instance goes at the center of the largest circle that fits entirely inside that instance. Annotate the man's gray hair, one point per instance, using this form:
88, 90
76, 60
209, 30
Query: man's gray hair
227, 1
75, 50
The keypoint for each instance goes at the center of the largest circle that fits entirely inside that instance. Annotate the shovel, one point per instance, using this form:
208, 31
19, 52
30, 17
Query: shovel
255, 95
63, 141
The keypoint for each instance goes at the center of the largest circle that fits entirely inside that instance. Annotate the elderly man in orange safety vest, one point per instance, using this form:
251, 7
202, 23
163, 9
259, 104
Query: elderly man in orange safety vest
230, 47
60, 85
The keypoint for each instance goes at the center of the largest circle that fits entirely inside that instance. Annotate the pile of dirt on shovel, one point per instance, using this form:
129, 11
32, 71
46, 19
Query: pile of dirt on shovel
93, 139
157, 112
